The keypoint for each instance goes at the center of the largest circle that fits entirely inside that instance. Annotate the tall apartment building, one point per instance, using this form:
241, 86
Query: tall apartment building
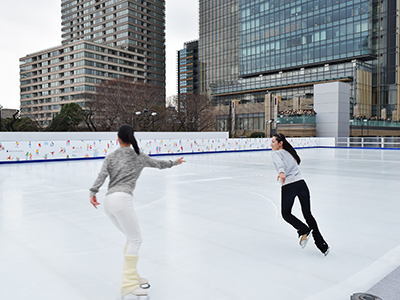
101, 39
248, 48
188, 68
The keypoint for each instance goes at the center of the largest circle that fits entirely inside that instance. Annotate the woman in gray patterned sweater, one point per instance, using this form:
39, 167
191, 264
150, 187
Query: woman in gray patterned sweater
124, 166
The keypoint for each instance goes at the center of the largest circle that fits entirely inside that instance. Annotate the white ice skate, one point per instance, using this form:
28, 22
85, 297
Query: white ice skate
144, 283
304, 239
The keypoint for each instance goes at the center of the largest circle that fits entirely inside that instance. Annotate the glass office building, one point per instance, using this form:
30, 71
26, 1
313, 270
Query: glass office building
284, 34
218, 43
284, 47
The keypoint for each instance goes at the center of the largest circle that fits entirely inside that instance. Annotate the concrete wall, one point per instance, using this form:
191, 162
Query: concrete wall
332, 104
28, 147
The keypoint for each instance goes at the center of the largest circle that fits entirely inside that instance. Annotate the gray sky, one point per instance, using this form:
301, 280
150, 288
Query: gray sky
28, 26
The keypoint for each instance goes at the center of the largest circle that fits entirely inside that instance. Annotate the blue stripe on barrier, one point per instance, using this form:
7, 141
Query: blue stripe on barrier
190, 153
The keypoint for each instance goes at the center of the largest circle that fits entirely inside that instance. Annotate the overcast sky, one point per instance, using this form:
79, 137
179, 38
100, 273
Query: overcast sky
28, 26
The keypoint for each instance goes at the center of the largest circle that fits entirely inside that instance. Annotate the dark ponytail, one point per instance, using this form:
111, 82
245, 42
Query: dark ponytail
281, 138
126, 134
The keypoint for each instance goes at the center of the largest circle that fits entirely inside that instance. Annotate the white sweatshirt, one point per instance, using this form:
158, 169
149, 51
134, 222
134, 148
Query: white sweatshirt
285, 163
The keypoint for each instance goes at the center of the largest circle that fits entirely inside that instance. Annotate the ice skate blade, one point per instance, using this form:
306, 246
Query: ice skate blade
134, 297
136, 294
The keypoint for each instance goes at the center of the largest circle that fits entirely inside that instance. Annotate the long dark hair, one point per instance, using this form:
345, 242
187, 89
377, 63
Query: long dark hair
126, 134
281, 138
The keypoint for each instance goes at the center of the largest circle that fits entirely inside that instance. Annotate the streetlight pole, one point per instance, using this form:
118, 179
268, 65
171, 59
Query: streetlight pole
153, 115
133, 118
146, 119
269, 128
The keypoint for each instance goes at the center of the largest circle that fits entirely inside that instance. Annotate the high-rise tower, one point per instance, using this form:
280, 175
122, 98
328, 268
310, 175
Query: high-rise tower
134, 25
188, 69
218, 43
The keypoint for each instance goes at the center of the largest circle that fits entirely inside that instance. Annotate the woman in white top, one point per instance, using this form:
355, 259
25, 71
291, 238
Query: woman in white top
286, 161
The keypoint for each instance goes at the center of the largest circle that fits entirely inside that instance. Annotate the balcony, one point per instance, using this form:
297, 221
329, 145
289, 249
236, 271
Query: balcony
374, 123
367, 127
296, 119
296, 125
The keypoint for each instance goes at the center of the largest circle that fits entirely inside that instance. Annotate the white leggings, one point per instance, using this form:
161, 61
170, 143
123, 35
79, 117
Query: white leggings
118, 207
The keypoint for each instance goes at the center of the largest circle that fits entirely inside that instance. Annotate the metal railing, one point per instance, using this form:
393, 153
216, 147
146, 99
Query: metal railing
374, 123
368, 142
296, 119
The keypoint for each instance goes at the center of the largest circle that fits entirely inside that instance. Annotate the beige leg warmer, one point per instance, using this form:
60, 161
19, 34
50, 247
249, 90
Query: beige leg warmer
130, 277
141, 279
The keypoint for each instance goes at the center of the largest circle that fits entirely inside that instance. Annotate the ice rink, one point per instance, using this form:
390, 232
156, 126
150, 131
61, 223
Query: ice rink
211, 229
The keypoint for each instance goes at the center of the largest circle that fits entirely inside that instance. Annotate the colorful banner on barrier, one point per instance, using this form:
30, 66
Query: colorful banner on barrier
14, 151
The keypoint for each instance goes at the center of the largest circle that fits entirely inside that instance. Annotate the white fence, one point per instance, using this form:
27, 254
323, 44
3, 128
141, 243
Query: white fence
29, 147
368, 142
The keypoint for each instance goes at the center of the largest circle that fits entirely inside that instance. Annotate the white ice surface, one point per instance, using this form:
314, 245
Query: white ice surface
211, 229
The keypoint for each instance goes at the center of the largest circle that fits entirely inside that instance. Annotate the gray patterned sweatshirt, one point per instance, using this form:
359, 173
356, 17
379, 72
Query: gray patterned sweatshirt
124, 167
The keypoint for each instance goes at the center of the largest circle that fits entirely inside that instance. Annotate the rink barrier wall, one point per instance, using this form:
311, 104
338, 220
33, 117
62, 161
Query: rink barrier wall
23, 147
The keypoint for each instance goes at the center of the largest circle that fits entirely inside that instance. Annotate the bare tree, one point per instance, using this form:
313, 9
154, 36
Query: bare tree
33, 121
116, 101
119, 101
195, 113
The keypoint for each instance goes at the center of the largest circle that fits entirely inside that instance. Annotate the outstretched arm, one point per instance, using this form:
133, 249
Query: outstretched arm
161, 164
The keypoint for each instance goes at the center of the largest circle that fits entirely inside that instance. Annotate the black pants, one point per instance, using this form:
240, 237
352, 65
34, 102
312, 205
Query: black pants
289, 193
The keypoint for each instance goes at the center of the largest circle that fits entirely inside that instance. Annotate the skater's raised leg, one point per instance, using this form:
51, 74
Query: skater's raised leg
304, 197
